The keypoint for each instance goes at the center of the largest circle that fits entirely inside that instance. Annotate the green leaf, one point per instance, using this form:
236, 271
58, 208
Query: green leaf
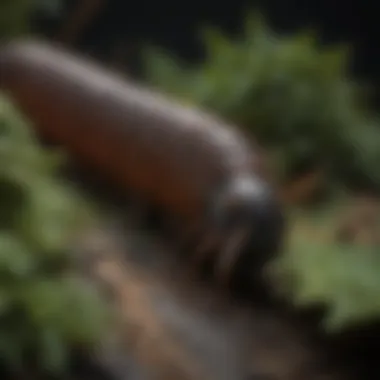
217, 46
164, 71
257, 32
11, 352
342, 277
53, 351
15, 260
40, 309
335, 60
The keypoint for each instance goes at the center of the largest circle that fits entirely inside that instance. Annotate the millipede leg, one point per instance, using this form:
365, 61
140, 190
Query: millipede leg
227, 258
202, 252
224, 267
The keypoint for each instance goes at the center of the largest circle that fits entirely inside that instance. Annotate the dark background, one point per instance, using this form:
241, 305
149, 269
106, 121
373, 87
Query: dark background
174, 25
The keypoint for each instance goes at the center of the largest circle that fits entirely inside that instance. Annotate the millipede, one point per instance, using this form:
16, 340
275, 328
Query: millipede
196, 168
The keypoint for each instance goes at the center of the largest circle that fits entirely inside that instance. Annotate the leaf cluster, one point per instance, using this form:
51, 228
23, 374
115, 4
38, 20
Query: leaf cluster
318, 270
45, 307
292, 93
296, 97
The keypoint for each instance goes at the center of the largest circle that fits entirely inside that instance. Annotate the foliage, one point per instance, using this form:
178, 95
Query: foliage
317, 270
293, 94
296, 97
44, 306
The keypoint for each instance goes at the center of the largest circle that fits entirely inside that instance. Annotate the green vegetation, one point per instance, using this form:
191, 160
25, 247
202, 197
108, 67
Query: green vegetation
318, 270
297, 99
45, 307
293, 95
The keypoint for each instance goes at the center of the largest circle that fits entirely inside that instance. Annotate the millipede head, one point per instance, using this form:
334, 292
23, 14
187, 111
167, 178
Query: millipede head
249, 224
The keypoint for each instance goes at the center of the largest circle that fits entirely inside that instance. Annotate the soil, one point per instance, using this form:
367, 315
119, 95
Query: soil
170, 326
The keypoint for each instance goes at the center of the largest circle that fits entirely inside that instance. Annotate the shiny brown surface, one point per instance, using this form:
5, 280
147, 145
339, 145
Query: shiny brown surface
174, 155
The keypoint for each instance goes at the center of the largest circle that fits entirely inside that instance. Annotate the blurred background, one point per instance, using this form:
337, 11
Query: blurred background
302, 78
112, 26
